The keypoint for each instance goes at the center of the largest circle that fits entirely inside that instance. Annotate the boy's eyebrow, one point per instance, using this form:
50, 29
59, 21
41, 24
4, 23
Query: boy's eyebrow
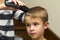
35, 22
26, 23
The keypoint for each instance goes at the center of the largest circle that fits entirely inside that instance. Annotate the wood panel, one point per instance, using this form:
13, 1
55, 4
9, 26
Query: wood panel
20, 30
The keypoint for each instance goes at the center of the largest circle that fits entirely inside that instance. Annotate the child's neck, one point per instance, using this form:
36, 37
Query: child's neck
41, 38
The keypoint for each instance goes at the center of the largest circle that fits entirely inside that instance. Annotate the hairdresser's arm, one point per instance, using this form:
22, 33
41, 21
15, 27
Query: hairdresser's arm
3, 6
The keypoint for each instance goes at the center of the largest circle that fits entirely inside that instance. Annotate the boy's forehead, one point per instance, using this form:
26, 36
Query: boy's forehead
31, 20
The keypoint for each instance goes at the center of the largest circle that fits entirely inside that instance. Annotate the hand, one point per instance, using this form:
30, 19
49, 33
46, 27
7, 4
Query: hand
3, 6
17, 2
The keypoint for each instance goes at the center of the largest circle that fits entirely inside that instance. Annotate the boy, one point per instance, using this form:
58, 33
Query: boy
6, 19
36, 20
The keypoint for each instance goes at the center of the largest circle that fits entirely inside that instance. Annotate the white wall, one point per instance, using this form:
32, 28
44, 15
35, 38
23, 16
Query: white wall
53, 8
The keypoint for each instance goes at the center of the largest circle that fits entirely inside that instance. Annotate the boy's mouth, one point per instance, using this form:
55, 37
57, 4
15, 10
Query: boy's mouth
32, 34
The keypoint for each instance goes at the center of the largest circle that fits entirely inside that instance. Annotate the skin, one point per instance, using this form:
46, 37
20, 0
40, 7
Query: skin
35, 28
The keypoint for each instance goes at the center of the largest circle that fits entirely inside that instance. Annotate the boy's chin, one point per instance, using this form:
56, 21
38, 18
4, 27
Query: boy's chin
33, 37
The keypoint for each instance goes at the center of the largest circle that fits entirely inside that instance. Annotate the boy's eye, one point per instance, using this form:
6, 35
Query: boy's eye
27, 24
36, 24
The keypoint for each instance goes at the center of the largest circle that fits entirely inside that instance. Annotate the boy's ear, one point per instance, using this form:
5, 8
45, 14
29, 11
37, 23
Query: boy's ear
46, 25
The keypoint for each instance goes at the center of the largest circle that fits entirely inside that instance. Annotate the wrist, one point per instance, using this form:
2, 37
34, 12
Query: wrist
4, 6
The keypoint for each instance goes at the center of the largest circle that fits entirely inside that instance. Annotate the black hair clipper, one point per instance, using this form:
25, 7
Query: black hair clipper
11, 4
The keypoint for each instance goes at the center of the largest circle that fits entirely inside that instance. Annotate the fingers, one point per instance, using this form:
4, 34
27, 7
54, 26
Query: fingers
18, 2
14, 1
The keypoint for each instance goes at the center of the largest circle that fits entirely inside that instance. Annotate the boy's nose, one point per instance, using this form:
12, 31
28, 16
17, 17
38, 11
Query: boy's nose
32, 28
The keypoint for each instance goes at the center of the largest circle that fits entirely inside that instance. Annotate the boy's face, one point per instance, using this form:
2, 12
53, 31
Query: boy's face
35, 27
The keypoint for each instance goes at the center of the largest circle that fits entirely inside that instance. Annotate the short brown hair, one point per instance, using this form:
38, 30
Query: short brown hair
39, 12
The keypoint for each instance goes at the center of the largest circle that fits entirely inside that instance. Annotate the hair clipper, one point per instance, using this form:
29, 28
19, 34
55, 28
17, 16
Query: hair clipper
11, 4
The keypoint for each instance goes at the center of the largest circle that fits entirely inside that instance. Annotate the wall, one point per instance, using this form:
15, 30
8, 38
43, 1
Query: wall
53, 8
